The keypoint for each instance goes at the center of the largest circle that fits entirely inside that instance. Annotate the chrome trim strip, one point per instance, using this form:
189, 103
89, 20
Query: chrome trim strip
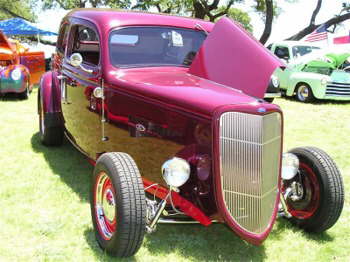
272, 95
252, 143
342, 85
249, 195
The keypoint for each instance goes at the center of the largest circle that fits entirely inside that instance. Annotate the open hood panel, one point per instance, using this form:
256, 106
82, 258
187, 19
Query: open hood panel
232, 57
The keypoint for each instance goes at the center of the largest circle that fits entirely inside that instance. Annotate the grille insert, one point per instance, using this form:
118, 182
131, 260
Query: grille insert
250, 150
338, 89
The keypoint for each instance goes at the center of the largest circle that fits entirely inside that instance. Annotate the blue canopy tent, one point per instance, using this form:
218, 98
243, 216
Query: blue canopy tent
18, 26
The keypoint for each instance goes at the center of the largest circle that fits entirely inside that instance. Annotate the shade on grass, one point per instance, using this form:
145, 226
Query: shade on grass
44, 192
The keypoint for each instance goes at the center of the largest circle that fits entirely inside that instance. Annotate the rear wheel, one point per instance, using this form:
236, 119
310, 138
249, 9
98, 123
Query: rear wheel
51, 131
304, 93
317, 192
118, 205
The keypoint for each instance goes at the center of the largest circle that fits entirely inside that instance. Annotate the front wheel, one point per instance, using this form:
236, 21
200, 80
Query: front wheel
304, 93
316, 195
25, 94
118, 205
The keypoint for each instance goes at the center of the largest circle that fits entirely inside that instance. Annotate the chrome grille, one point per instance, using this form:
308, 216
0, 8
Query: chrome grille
250, 151
338, 89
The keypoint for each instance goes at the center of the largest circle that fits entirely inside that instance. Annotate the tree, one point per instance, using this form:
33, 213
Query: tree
164, 6
268, 9
214, 9
70, 4
203, 9
312, 26
16, 8
239, 16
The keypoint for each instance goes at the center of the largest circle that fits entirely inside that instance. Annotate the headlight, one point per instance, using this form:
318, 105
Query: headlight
290, 166
176, 171
275, 82
16, 74
324, 81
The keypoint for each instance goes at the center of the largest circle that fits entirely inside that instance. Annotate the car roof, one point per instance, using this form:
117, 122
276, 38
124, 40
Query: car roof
111, 18
294, 43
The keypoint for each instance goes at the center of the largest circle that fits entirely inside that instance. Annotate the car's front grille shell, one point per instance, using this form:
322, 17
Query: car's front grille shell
338, 89
250, 153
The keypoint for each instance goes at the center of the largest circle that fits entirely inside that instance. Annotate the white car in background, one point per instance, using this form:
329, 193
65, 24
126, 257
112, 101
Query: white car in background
289, 51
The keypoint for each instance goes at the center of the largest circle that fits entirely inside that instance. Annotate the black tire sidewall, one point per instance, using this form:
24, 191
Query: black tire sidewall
323, 187
108, 168
25, 94
319, 221
130, 204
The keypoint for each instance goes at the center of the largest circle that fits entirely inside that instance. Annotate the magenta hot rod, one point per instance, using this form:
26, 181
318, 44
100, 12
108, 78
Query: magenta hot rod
172, 114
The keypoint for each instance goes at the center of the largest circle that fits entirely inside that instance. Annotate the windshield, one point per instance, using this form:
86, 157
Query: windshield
303, 50
154, 46
323, 70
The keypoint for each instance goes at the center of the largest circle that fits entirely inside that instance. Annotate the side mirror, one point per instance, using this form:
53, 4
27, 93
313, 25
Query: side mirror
76, 60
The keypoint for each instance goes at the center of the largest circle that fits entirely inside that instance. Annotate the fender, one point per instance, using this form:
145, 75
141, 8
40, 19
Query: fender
314, 80
49, 99
17, 85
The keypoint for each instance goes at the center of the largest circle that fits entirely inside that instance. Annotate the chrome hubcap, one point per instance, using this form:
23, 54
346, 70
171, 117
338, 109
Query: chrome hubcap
109, 205
105, 206
303, 93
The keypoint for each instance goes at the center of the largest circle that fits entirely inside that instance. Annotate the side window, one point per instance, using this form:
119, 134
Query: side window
62, 39
282, 52
85, 42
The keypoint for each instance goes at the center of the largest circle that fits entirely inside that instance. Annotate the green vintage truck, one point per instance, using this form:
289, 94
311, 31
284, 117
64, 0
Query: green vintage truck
318, 74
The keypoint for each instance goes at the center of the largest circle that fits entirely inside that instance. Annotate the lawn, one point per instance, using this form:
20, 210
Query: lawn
45, 213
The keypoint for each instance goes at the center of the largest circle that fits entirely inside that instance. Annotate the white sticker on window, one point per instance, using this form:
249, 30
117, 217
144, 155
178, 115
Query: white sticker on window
176, 39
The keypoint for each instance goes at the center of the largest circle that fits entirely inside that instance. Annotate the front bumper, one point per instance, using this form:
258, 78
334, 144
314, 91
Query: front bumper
272, 95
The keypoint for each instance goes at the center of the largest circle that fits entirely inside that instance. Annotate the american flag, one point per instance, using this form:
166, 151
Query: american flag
319, 34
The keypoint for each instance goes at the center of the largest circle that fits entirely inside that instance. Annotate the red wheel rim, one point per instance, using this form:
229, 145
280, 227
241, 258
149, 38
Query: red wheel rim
105, 206
308, 205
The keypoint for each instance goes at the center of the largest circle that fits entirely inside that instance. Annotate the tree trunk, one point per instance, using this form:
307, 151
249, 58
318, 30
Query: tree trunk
315, 12
268, 21
310, 28
199, 11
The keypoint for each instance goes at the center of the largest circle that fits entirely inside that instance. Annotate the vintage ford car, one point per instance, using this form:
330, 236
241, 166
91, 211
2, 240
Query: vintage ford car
20, 69
318, 75
166, 110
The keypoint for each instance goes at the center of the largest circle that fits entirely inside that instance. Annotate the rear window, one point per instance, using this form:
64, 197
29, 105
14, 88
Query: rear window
154, 46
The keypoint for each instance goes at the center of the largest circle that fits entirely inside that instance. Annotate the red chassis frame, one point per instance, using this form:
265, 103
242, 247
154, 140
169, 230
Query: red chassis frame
184, 205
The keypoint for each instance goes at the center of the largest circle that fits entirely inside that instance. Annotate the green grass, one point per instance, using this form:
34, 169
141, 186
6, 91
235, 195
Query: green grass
45, 213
